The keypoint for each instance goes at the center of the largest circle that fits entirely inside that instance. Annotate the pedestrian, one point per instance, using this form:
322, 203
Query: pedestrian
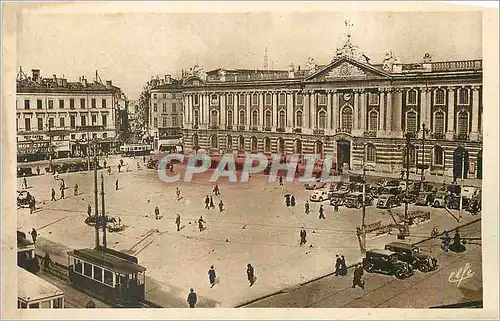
32, 204
207, 203
358, 277
281, 180
119, 168
200, 223
38, 170
178, 222
143, 159
47, 262
221, 206
446, 241
62, 192
216, 190
338, 264
306, 206
287, 200
138, 166
212, 205
157, 213
211, 276
105, 164
34, 235
321, 212
53, 193
343, 266
292, 201
178, 193
121, 162
63, 185
109, 170
76, 189
457, 245
250, 274
89, 210
192, 298
336, 206
303, 235
116, 185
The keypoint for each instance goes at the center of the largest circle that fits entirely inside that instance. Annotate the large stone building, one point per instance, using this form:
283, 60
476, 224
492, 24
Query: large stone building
349, 108
57, 118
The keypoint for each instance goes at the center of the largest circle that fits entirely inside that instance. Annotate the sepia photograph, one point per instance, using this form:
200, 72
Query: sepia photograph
220, 156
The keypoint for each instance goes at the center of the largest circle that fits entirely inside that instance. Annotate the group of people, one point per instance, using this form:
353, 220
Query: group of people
209, 201
290, 200
62, 187
340, 266
456, 246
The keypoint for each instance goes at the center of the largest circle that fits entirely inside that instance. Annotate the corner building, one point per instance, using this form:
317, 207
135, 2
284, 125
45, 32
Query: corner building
348, 108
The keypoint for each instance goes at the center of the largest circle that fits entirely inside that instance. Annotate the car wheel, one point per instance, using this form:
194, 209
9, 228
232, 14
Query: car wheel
436, 204
400, 274
423, 268
369, 268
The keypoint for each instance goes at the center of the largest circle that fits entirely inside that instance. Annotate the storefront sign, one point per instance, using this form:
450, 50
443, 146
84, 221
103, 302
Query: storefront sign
61, 145
33, 137
28, 148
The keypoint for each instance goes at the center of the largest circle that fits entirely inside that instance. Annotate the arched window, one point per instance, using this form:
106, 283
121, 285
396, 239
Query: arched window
281, 146
255, 118
196, 117
318, 147
322, 119
214, 118
439, 97
282, 123
268, 119
229, 142
439, 123
214, 141
267, 145
298, 146
241, 143
253, 144
298, 119
242, 120
411, 122
195, 141
438, 156
230, 118
373, 123
463, 123
347, 118
371, 153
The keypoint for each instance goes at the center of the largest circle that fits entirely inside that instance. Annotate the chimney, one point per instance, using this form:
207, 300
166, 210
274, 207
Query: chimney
84, 81
54, 77
64, 82
291, 71
108, 84
36, 74
168, 79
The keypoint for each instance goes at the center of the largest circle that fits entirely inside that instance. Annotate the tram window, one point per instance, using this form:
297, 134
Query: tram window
87, 269
21, 305
57, 303
97, 273
108, 277
78, 266
34, 305
140, 278
46, 305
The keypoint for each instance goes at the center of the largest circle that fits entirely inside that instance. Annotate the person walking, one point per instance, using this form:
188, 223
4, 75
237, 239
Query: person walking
287, 200
119, 168
157, 213
178, 193
62, 191
338, 264
357, 279
336, 206
343, 266
446, 240
178, 222
143, 159
281, 180
116, 185
89, 210
32, 204
212, 205
105, 164
109, 170
303, 235
211, 276
201, 221
47, 262
292, 201
38, 170
306, 207
34, 235
221, 206
250, 274
207, 203
25, 182
53, 193
216, 190
76, 189
192, 299
322, 212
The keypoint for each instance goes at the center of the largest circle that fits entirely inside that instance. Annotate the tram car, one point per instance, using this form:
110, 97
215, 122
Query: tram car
34, 292
109, 275
136, 150
26, 258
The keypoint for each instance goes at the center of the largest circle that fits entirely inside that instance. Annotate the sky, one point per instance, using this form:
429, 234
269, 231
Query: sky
129, 48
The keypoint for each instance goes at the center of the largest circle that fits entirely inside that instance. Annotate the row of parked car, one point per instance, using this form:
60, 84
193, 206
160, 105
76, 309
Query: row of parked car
388, 194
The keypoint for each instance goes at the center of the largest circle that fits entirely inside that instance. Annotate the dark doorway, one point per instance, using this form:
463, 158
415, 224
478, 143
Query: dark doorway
479, 161
460, 163
343, 153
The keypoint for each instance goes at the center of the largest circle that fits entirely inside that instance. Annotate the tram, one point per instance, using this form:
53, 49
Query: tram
26, 258
34, 292
110, 275
136, 150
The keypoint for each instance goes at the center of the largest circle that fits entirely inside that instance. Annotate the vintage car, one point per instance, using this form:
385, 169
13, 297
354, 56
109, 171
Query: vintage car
387, 201
386, 262
443, 199
153, 164
393, 190
425, 198
355, 200
338, 198
23, 199
24, 172
316, 185
469, 191
319, 196
413, 255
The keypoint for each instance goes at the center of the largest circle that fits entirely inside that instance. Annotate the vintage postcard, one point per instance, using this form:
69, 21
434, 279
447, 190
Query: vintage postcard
205, 159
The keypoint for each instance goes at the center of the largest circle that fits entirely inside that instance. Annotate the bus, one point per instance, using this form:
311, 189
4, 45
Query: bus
34, 292
135, 150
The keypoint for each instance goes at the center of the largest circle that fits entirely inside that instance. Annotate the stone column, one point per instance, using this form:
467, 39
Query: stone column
335, 107
450, 113
428, 107
191, 110
261, 110
423, 108
381, 126
289, 110
355, 123
307, 123
222, 110
207, 109
389, 111
329, 109
247, 108
235, 111
363, 111
474, 135
313, 111
185, 118
274, 122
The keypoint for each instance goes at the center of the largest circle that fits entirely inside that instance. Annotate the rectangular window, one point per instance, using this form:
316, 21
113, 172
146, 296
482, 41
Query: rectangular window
105, 120
241, 100
269, 99
439, 97
196, 100
103, 103
94, 120
214, 100
26, 104
61, 103
300, 99
230, 100
46, 304
174, 108
322, 99
105, 135
155, 107
94, 135
61, 122
174, 121
108, 277
463, 96
40, 123
164, 107
72, 121
97, 273
72, 103
411, 97
73, 136
154, 96
164, 96
87, 269
155, 122
93, 103
38, 104
82, 103
51, 122
282, 99
83, 120
27, 124
255, 99
164, 121
51, 104
34, 306
373, 99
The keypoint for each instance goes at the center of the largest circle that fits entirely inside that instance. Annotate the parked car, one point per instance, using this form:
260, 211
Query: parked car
387, 201
469, 191
443, 199
337, 198
356, 178
386, 262
153, 164
23, 198
393, 190
413, 255
425, 198
355, 200
319, 196
316, 185
24, 172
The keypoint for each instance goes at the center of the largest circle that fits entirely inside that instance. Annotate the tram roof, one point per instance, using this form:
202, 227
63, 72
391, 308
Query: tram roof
32, 288
108, 261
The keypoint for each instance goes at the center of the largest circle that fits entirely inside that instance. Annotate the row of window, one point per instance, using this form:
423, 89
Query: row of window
166, 95
57, 303
62, 122
94, 272
50, 103
164, 120
439, 122
164, 108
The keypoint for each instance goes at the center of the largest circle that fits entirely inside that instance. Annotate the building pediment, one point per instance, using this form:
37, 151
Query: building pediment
193, 81
347, 69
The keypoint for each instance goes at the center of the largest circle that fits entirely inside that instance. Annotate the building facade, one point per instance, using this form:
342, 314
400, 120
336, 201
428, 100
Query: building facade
349, 108
56, 118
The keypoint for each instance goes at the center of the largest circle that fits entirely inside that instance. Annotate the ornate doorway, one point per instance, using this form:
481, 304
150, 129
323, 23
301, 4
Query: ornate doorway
343, 154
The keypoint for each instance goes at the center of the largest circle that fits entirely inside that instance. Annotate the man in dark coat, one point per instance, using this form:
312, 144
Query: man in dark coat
457, 245
25, 182
32, 204
250, 274
216, 190
200, 223
322, 212
338, 264
34, 235
287, 200
211, 276
358, 277
38, 170
47, 262
446, 241
53, 193
89, 210
343, 266
157, 213
306, 207
292, 201
192, 298
281, 180
303, 235
212, 205
116, 185
178, 222
207, 203
221, 206
62, 191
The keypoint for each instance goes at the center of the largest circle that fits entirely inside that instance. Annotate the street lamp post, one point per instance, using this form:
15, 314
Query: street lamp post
461, 188
424, 131
406, 229
363, 217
